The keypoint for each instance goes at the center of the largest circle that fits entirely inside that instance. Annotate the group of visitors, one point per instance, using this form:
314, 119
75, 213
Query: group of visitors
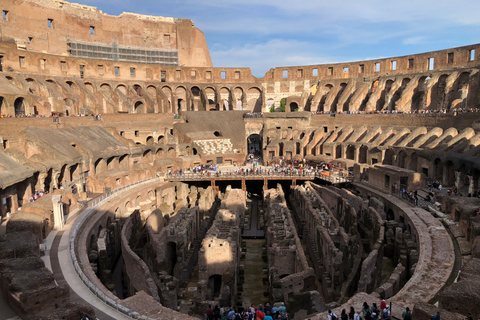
249, 313
35, 196
253, 115
368, 313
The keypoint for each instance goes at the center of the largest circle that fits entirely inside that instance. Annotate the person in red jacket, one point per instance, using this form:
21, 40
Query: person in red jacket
259, 313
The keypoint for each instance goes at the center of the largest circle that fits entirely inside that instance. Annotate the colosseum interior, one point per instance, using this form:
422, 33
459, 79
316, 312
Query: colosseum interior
139, 181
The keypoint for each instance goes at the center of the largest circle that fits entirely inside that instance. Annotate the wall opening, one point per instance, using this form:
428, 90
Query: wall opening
431, 63
214, 286
19, 106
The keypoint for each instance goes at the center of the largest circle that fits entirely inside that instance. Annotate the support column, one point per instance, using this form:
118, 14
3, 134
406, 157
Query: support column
58, 212
445, 174
356, 155
244, 185
459, 180
471, 185
265, 184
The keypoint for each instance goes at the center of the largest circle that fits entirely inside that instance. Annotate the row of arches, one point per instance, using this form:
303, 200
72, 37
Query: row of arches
20, 106
430, 92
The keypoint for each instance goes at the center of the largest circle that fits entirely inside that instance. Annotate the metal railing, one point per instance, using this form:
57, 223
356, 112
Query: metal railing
333, 178
87, 213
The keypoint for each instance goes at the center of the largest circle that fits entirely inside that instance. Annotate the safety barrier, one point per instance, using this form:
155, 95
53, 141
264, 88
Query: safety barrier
87, 213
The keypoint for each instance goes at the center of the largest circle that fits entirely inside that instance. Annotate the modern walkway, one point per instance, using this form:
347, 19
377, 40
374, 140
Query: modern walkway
254, 232
436, 252
65, 274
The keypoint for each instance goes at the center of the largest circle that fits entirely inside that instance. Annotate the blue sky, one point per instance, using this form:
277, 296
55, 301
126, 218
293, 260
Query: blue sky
268, 34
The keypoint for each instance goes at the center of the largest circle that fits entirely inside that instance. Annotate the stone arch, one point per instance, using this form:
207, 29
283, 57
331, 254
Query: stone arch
139, 107
123, 161
419, 97
254, 98
438, 94
89, 87
159, 154
161, 139
350, 152
100, 166
211, 99
111, 163
147, 154
196, 92
254, 144
381, 100
401, 159
397, 95
325, 91
105, 87
388, 158
181, 94
20, 105
333, 107
225, 97
152, 90
167, 91
171, 152
238, 97
121, 88
138, 89
338, 151
149, 141
293, 106
363, 154
459, 91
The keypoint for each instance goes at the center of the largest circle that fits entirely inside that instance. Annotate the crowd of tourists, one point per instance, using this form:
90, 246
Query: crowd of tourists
369, 313
289, 168
35, 196
421, 111
261, 312
253, 115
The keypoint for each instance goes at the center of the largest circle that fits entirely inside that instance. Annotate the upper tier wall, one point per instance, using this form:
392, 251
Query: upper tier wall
442, 59
47, 26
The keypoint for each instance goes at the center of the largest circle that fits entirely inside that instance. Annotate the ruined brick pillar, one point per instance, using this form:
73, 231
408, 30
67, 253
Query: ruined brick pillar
471, 185
459, 176
57, 212
356, 156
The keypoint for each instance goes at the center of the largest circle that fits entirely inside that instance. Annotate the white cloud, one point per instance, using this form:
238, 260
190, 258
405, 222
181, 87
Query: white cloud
261, 57
258, 34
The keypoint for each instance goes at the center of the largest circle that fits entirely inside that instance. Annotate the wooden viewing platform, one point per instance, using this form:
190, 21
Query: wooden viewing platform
331, 178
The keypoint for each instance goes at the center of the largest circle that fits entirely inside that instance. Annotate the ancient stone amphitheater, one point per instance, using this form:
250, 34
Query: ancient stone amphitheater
103, 118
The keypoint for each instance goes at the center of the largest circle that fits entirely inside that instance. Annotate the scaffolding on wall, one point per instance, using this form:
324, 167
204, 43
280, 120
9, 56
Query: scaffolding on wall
115, 52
